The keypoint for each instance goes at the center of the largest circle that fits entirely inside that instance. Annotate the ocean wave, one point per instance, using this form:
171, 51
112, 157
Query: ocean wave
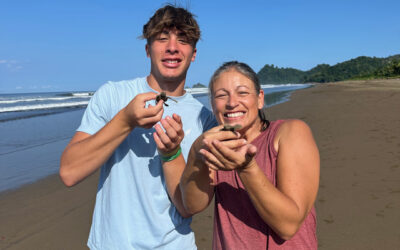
197, 90
43, 106
40, 99
266, 86
263, 86
78, 94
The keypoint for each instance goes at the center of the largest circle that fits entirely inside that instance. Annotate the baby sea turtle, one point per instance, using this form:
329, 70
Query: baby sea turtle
232, 128
163, 96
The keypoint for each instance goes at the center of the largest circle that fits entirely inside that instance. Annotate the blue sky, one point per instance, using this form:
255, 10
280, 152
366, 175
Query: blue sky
48, 45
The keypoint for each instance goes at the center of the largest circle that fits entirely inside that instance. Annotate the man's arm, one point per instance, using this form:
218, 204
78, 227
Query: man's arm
173, 163
86, 153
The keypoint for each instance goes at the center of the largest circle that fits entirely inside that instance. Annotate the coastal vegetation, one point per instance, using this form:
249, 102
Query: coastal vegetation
362, 67
199, 85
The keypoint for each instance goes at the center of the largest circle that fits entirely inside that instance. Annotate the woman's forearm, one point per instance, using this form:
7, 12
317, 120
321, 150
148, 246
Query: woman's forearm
277, 210
196, 185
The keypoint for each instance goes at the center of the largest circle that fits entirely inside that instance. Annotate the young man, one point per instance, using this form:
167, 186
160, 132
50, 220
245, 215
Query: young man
138, 203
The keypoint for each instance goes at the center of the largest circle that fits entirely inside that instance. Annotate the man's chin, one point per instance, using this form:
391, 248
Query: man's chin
173, 78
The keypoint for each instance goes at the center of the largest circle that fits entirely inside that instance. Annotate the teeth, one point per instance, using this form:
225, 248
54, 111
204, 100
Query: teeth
172, 61
235, 114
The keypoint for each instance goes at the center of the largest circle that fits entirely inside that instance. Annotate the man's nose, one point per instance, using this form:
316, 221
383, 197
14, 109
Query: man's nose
172, 45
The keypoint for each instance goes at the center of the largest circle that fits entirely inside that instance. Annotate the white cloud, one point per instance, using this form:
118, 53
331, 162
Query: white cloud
11, 65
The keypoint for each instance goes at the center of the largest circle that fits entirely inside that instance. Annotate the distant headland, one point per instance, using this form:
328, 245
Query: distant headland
362, 67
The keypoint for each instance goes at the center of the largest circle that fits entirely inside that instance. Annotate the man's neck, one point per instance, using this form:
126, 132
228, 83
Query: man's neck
171, 88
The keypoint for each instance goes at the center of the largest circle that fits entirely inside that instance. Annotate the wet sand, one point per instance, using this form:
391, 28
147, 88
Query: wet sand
357, 128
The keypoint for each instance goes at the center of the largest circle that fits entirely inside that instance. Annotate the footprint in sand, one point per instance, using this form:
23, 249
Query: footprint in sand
394, 191
389, 205
329, 220
380, 214
374, 197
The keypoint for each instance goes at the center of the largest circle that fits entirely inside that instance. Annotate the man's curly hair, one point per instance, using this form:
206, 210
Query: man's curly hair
169, 17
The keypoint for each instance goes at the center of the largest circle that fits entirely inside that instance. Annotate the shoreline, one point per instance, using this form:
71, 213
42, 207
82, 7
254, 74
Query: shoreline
357, 129
26, 140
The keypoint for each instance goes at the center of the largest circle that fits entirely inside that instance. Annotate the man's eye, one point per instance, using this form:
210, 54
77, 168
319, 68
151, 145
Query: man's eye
184, 41
243, 93
220, 96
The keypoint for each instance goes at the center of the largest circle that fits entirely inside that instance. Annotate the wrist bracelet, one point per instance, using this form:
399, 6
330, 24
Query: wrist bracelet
172, 155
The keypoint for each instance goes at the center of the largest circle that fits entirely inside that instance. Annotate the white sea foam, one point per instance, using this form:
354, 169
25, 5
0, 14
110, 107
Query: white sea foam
197, 90
264, 86
43, 106
267, 86
83, 94
38, 99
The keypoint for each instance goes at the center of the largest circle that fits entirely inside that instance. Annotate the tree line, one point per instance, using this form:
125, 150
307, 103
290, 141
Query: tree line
362, 67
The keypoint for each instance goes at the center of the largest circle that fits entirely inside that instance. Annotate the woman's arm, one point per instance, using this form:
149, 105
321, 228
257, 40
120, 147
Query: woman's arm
197, 182
284, 207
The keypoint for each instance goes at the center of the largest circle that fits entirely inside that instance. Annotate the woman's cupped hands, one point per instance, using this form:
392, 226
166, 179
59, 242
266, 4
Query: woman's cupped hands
225, 150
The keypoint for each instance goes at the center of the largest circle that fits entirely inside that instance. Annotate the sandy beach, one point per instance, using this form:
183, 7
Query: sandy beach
357, 128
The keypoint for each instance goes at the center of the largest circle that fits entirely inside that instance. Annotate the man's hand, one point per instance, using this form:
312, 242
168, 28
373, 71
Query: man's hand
168, 140
137, 114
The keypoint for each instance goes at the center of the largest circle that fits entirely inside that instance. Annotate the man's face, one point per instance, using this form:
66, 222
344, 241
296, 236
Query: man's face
171, 54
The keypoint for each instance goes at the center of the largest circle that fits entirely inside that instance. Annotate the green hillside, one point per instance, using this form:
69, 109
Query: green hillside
358, 68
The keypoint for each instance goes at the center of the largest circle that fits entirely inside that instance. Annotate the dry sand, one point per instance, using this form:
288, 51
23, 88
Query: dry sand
357, 128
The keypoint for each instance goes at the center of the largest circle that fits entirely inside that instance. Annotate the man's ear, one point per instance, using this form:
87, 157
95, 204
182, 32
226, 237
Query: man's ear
194, 54
147, 48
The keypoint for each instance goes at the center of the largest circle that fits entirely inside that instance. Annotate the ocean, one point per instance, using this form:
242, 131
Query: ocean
36, 127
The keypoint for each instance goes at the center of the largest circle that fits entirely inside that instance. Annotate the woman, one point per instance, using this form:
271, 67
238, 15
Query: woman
264, 176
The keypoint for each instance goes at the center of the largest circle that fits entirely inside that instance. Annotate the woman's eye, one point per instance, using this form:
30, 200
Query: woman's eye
220, 96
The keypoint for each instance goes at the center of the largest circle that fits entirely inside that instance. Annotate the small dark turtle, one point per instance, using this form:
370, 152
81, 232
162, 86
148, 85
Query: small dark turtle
163, 96
232, 128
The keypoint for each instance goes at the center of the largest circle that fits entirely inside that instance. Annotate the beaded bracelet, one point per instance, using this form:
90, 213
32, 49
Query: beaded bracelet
172, 155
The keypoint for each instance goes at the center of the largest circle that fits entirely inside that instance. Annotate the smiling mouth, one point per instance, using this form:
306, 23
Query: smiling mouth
171, 61
233, 115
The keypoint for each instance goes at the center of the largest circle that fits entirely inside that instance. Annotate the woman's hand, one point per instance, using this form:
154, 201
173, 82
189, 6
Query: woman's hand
229, 139
228, 155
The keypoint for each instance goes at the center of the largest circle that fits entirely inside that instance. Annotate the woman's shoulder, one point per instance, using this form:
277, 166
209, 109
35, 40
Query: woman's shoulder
292, 125
291, 129
280, 127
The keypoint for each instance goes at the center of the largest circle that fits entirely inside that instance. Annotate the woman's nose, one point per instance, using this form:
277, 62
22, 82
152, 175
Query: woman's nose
232, 101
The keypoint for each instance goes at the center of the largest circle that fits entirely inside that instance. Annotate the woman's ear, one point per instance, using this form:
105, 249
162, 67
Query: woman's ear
261, 99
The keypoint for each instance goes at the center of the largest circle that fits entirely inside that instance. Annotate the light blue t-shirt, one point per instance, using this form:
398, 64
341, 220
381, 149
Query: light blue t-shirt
133, 210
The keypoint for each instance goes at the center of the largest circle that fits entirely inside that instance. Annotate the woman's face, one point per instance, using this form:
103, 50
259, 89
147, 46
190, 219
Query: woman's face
235, 101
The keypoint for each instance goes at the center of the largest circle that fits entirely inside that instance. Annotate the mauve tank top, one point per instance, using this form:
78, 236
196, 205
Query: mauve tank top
237, 224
